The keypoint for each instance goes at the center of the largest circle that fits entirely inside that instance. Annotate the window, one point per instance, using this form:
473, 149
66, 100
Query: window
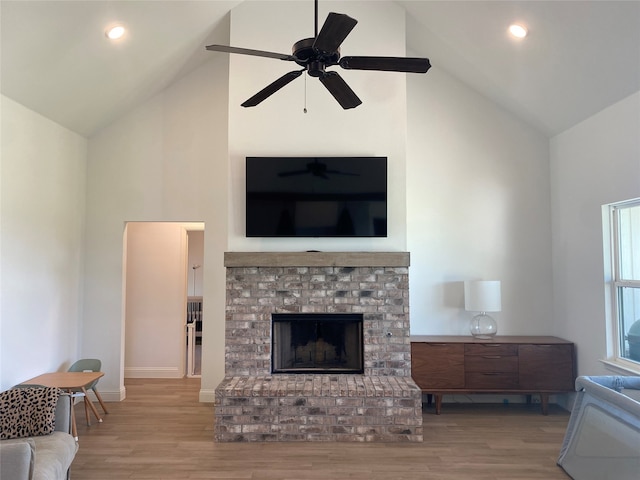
625, 295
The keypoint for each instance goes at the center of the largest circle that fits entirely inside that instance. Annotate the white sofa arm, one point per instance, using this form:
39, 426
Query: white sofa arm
63, 413
17, 458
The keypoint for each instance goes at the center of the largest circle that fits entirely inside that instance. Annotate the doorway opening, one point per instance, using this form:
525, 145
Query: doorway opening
160, 286
195, 317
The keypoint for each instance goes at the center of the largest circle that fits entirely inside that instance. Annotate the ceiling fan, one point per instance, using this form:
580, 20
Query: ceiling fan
322, 51
317, 169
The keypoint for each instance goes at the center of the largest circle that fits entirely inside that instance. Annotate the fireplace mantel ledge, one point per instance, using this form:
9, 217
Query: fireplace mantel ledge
316, 259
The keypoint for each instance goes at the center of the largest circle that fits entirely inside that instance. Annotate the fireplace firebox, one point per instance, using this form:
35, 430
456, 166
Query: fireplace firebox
317, 343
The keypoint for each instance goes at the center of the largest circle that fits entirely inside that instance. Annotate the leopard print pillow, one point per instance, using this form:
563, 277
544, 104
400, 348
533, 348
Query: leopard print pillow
27, 412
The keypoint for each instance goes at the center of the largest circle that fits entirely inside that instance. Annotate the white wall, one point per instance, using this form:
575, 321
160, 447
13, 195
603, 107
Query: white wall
278, 126
477, 208
42, 211
155, 303
594, 163
165, 161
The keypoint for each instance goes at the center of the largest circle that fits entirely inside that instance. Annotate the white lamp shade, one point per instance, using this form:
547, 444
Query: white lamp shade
482, 296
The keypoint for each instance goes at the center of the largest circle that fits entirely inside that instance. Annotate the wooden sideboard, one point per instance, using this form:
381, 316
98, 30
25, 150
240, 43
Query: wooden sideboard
504, 364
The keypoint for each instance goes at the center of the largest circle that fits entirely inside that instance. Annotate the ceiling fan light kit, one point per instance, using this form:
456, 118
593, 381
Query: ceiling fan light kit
314, 55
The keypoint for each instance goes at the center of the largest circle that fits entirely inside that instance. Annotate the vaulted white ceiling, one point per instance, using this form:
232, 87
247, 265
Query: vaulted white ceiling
579, 57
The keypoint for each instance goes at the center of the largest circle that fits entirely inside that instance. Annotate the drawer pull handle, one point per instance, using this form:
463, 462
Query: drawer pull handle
492, 374
492, 356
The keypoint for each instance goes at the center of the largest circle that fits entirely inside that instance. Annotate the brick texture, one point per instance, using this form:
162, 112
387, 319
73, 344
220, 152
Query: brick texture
383, 404
339, 408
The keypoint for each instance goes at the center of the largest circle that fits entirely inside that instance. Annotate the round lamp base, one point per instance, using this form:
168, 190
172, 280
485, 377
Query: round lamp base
483, 326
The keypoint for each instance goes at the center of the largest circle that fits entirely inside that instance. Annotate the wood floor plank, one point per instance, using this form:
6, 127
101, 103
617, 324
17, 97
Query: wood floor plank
161, 431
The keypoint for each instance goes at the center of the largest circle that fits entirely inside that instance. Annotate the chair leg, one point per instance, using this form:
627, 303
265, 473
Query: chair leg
86, 410
104, 407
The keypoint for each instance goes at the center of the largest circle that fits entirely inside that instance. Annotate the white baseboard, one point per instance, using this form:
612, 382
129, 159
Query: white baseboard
107, 396
504, 399
207, 396
153, 372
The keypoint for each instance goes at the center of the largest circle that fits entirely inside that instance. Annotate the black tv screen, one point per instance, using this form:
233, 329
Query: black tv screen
316, 197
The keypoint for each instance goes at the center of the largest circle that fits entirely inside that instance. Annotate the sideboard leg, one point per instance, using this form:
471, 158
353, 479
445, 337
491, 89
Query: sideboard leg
544, 403
438, 403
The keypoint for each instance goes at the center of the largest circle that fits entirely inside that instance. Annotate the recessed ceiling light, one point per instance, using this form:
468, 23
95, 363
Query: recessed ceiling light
517, 31
115, 32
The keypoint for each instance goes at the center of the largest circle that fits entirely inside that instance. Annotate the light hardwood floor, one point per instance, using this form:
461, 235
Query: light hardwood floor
161, 432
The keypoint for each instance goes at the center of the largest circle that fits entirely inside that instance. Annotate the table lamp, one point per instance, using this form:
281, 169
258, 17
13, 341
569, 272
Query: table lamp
482, 296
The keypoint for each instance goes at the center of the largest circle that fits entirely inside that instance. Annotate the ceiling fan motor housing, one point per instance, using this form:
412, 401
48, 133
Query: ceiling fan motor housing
313, 60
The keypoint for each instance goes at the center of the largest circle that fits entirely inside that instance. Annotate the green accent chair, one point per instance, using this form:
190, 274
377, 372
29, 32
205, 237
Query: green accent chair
89, 365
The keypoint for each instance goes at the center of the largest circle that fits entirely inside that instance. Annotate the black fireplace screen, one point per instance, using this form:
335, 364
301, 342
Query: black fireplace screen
317, 343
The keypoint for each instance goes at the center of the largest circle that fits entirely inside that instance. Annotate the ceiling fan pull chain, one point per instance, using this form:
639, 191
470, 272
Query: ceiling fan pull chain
305, 94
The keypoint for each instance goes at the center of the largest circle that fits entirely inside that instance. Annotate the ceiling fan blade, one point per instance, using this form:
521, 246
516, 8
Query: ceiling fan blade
335, 29
272, 88
340, 90
389, 64
248, 51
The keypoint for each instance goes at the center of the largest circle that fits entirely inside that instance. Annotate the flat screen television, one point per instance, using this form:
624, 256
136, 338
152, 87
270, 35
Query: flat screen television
316, 197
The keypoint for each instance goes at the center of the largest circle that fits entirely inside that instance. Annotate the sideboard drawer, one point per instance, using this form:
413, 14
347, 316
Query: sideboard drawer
491, 363
491, 381
504, 349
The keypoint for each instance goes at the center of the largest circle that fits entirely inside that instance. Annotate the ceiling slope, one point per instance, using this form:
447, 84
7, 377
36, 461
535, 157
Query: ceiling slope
57, 61
580, 56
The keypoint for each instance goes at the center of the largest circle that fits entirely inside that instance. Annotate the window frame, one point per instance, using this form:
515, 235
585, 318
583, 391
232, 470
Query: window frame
615, 282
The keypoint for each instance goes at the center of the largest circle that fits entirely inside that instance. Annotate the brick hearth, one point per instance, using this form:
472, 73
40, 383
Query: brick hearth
383, 404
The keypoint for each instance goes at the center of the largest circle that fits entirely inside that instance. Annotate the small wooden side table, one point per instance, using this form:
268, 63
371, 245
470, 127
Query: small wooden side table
69, 381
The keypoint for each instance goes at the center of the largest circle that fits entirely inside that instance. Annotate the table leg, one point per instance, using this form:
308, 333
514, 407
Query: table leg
104, 407
93, 408
74, 428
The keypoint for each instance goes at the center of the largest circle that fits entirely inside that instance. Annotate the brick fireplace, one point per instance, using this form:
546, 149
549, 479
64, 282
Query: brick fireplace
380, 404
